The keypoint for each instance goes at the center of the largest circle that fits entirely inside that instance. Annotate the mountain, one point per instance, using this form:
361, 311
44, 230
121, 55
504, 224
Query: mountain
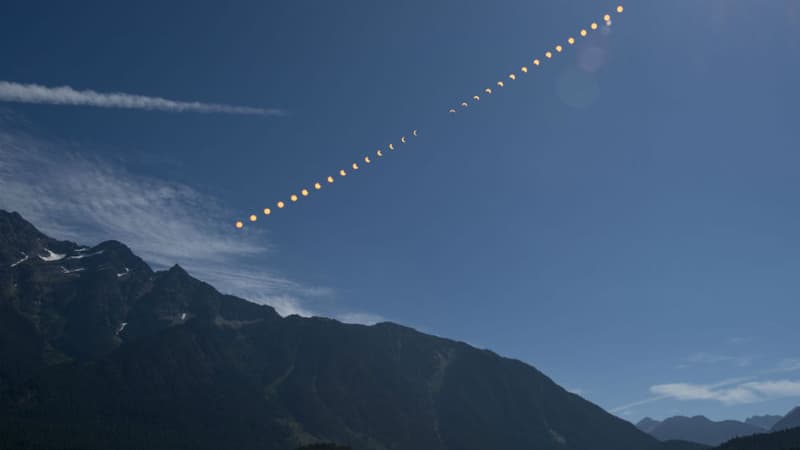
779, 440
766, 421
698, 429
682, 445
98, 351
791, 420
647, 424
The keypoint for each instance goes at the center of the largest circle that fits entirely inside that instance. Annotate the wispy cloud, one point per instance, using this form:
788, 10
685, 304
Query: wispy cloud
75, 197
787, 365
743, 393
713, 358
360, 318
71, 196
733, 391
66, 95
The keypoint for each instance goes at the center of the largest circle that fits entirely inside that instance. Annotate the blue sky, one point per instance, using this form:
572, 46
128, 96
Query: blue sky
625, 219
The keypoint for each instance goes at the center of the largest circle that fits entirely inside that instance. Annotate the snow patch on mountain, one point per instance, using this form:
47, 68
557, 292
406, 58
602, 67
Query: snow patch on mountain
86, 255
52, 256
24, 258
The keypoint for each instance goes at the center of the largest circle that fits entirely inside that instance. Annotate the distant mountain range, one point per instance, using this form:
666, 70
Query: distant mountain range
791, 420
701, 430
765, 422
98, 351
697, 429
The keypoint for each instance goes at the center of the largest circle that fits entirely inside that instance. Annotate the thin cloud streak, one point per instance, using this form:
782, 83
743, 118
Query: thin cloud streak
713, 358
665, 395
66, 95
745, 390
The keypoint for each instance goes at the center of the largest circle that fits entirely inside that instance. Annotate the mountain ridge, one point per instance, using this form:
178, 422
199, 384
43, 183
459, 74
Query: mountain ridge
163, 360
766, 421
698, 429
790, 420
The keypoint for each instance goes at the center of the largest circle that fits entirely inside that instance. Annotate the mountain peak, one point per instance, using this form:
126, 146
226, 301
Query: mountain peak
179, 275
790, 420
766, 421
13, 220
19, 240
177, 270
647, 424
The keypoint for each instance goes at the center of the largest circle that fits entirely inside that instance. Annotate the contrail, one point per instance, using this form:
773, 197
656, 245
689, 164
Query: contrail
65, 95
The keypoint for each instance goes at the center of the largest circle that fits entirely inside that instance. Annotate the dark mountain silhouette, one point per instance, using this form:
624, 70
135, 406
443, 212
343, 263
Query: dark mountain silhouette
766, 421
98, 351
790, 420
682, 445
323, 447
698, 429
779, 440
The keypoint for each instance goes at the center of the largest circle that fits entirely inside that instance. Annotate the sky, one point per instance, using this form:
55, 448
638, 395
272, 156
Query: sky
623, 218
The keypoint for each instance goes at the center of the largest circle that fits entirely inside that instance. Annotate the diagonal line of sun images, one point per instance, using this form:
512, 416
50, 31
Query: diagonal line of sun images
380, 153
